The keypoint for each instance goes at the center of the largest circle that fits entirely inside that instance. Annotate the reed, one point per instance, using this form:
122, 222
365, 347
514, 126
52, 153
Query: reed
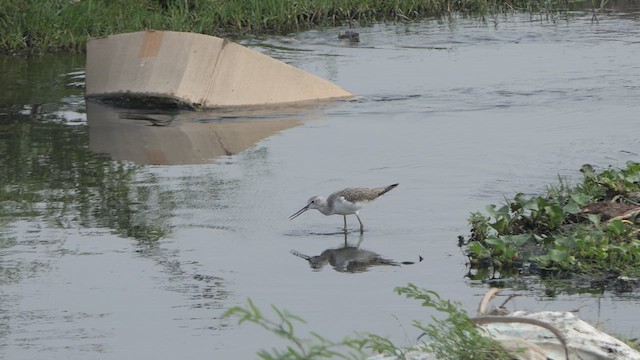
37, 26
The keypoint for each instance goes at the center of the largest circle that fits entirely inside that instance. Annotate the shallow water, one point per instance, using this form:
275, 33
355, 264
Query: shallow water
141, 255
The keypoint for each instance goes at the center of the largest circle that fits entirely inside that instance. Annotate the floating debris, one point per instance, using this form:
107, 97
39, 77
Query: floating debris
350, 36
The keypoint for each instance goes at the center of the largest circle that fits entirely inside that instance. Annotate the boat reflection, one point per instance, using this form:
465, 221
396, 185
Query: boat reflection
152, 137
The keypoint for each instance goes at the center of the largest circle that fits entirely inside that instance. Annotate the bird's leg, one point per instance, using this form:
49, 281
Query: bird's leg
360, 240
345, 223
360, 221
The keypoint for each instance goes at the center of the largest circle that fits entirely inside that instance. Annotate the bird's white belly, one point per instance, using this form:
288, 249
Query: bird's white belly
343, 207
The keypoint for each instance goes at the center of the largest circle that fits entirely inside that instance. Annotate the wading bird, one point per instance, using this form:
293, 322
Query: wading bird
345, 202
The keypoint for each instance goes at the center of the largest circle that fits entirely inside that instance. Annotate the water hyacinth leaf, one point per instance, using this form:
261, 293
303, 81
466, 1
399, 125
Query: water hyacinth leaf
542, 202
532, 204
495, 241
518, 240
581, 199
558, 256
582, 244
612, 183
501, 226
594, 218
565, 241
556, 214
543, 260
503, 212
491, 209
634, 168
523, 202
588, 245
621, 249
519, 200
547, 240
572, 207
510, 253
617, 227
477, 247
602, 255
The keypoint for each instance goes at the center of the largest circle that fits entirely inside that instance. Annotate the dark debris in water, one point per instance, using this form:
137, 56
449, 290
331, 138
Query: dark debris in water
350, 36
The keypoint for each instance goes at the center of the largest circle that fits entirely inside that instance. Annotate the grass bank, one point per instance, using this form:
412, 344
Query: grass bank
38, 26
591, 229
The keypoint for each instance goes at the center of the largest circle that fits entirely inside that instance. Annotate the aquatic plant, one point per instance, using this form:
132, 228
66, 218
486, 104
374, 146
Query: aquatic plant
590, 228
38, 26
453, 336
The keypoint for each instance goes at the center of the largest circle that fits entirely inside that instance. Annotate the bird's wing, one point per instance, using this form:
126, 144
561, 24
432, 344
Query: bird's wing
358, 194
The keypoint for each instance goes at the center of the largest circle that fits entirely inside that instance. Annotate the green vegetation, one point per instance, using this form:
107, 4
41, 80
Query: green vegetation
591, 228
38, 26
454, 337
318, 347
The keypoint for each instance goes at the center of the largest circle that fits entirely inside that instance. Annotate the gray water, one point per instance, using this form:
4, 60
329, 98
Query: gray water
125, 240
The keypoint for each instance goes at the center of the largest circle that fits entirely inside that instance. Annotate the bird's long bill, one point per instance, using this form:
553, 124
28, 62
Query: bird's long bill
299, 254
299, 212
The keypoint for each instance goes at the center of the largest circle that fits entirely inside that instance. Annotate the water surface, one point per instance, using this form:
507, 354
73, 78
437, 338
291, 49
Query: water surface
131, 240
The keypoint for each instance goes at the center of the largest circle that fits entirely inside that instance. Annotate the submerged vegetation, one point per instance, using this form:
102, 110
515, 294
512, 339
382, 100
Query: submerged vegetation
591, 229
48, 25
453, 337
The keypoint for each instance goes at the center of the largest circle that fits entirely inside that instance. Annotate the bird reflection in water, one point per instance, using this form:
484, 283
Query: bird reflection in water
349, 258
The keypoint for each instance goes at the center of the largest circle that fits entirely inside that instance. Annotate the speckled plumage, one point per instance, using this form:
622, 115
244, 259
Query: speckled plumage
345, 202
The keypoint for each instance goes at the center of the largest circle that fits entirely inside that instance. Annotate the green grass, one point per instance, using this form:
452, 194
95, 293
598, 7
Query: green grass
37, 26
572, 229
